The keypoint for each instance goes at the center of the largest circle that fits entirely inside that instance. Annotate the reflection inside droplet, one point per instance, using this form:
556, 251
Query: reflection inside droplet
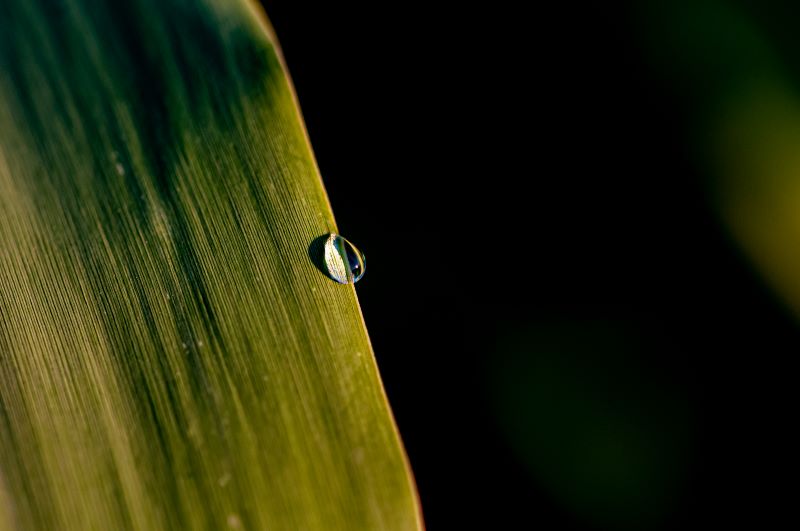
343, 261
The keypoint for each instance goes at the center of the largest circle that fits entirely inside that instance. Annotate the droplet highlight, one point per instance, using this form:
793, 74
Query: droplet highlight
344, 262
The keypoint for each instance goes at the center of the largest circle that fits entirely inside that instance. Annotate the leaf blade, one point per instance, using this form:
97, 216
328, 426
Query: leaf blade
170, 356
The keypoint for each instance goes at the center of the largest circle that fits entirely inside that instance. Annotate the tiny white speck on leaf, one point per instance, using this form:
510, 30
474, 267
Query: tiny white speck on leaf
358, 455
234, 522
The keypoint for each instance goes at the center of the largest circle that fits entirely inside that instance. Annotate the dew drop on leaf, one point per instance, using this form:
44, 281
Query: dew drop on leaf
344, 262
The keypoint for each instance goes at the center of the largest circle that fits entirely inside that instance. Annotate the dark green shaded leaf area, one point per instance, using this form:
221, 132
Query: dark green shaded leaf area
170, 357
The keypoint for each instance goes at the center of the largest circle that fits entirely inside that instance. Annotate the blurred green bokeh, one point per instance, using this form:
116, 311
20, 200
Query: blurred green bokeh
601, 431
735, 69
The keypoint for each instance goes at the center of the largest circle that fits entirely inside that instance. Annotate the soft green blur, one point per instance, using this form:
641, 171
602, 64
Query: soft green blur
606, 435
734, 67
602, 432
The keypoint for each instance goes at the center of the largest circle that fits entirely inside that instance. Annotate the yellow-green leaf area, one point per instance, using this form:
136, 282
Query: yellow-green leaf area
170, 357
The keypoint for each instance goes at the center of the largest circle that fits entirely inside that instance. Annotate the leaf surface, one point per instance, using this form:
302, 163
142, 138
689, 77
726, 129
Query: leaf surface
170, 356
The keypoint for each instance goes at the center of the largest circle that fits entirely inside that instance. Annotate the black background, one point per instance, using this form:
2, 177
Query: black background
501, 168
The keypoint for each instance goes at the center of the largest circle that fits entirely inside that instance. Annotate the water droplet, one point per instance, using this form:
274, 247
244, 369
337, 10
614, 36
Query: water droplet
344, 262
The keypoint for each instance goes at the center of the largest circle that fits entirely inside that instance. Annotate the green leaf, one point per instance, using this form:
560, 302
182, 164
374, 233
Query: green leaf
170, 357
